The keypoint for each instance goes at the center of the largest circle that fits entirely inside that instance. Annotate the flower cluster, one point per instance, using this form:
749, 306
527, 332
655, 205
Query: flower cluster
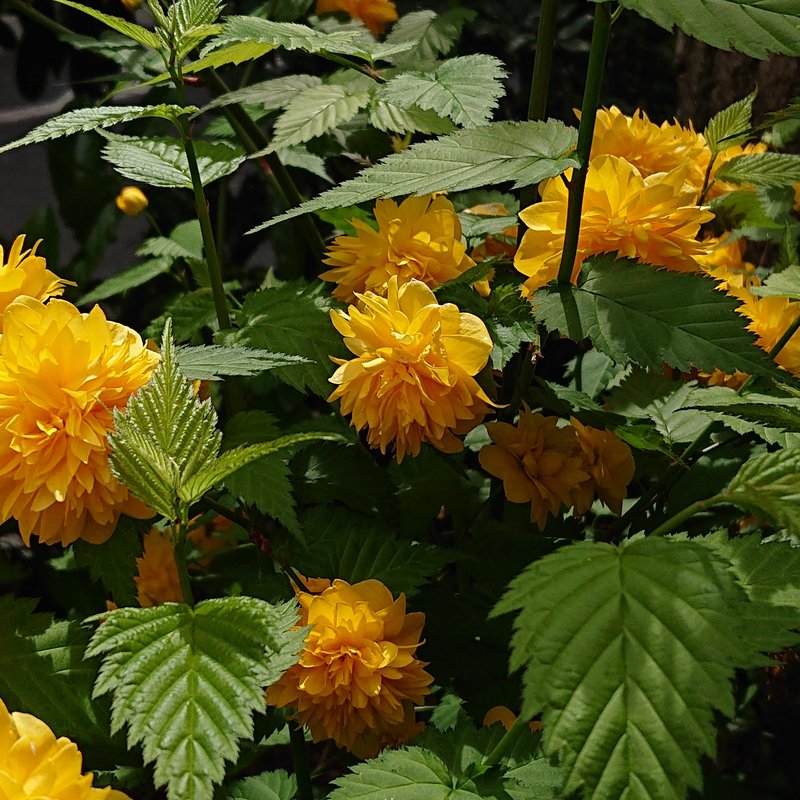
358, 676
552, 466
420, 239
35, 764
62, 373
412, 378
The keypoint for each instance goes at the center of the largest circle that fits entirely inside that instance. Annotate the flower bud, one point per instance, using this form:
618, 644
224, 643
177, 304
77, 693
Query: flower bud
131, 201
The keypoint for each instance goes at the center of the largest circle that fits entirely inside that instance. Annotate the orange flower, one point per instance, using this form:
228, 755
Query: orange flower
375, 14
538, 462
725, 262
411, 380
26, 274
610, 465
419, 239
651, 219
36, 765
358, 676
61, 374
157, 578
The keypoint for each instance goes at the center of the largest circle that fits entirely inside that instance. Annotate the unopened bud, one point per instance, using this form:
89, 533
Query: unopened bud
131, 201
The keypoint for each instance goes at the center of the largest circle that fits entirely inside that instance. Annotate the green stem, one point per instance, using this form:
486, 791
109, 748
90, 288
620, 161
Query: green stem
540, 82
29, 11
695, 508
506, 744
601, 33
302, 772
182, 567
706, 180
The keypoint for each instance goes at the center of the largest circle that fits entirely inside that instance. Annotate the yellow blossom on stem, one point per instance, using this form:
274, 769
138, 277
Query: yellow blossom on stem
35, 764
24, 273
61, 374
419, 239
411, 378
375, 14
539, 463
651, 219
131, 200
358, 676
610, 465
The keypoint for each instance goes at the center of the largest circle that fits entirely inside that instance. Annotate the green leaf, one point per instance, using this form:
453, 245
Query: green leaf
776, 412
277, 785
233, 54
628, 651
189, 313
730, 126
164, 436
129, 279
129, 29
300, 157
754, 27
785, 283
212, 362
113, 563
42, 671
761, 169
743, 208
163, 162
272, 94
186, 681
768, 485
92, 119
432, 36
185, 241
315, 111
465, 89
522, 152
386, 116
286, 319
192, 21
637, 312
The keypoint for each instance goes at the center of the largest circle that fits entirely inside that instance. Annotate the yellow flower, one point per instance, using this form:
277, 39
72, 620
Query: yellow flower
610, 465
375, 14
651, 219
538, 462
506, 717
26, 274
770, 318
649, 147
725, 262
411, 380
61, 374
131, 200
491, 247
34, 764
420, 238
358, 676
157, 578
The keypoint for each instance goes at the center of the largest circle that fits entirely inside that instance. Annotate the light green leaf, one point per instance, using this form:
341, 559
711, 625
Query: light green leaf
522, 152
768, 485
761, 169
186, 681
465, 89
233, 54
299, 157
277, 785
92, 119
163, 162
432, 36
637, 312
386, 116
743, 208
272, 94
129, 29
730, 126
629, 651
129, 279
189, 313
192, 22
781, 284
185, 241
315, 111
212, 362
776, 412
754, 27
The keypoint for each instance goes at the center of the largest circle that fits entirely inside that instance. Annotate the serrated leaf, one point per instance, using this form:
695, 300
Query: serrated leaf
785, 283
768, 485
129, 29
185, 241
730, 126
753, 27
42, 671
92, 119
276, 785
186, 681
315, 111
212, 362
237, 53
163, 162
743, 208
629, 650
191, 23
189, 313
129, 279
522, 152
776, 412
761, 169
637, 312
432, 36
299, 157
271, 94
386, 116
465, 89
